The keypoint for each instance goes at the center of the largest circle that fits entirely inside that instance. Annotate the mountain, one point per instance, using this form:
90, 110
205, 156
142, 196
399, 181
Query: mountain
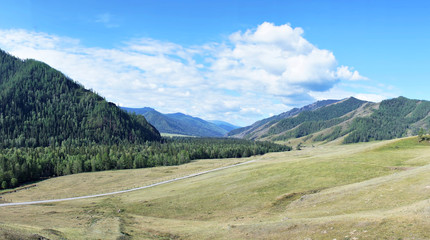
179, 123
351, 119
259, 128
140, 111
224, 125
40, 106
394, 118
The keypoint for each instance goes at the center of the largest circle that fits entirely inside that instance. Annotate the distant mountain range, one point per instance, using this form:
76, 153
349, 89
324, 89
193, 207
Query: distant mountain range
225, 125
259, 128
350, 119
179, 123
39, 106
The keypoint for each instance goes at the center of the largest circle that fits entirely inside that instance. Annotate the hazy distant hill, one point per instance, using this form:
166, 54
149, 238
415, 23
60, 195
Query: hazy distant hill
351, 119
179, 123
39, 106
225, 125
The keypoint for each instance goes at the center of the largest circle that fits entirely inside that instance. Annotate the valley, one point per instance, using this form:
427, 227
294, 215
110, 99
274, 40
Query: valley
182, 124
376, 190
126, 120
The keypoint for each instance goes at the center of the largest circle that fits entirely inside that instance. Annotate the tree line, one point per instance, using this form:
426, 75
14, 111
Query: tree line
26, 164
423, 135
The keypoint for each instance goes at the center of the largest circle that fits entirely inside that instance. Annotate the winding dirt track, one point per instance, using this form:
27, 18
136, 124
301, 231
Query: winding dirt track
123, 191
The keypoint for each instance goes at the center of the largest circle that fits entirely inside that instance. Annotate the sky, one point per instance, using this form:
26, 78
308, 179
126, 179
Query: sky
236, 61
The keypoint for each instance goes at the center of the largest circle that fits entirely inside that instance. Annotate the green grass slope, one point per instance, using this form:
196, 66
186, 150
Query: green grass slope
377, 190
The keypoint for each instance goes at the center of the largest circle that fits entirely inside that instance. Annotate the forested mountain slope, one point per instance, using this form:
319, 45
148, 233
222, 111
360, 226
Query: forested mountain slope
395, 118
52, 126
260, 127
39, 106
179, 123
351, 119
309, 122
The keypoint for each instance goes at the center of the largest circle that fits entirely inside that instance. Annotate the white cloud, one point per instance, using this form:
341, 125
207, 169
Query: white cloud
279, 61
345, 73
370, 97
103, 18
106, 19
363, 92
269, 69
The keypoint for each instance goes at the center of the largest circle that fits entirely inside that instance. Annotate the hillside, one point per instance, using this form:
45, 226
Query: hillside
39, 106
376, 190
395, 118
179, 123
260, 127
51, 126
224, 125
309, 122
351, 120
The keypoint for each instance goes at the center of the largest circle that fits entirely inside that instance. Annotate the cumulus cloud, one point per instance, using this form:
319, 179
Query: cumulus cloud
279, 61
346, 73
364, 92
269, 69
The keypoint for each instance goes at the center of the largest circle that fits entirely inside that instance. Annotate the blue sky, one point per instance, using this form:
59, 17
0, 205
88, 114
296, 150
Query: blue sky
238, 61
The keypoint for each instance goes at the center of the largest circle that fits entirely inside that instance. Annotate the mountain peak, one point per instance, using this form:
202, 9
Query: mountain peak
352, 119
48, 108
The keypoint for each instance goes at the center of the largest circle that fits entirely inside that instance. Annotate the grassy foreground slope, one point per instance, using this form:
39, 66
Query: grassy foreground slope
377, 190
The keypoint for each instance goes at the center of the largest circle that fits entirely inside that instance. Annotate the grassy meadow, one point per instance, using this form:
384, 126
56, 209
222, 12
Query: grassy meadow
377, 190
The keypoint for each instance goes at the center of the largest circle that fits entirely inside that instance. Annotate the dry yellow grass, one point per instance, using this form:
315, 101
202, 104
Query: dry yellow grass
109, 181
377, 190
